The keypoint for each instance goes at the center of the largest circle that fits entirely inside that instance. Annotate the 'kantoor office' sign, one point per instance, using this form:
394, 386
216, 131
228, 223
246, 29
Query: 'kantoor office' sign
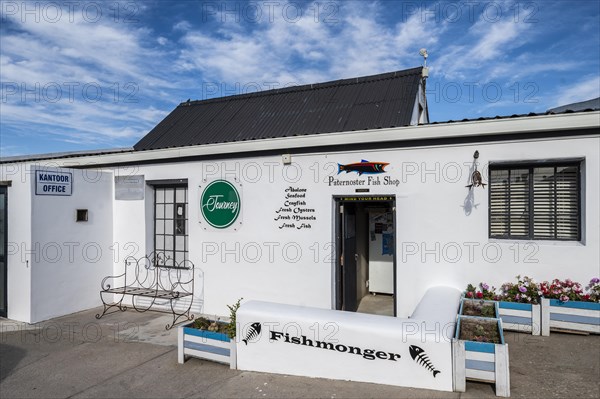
220, 204
53, 183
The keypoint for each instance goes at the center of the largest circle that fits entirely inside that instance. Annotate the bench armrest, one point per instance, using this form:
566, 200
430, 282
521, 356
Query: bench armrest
105, 285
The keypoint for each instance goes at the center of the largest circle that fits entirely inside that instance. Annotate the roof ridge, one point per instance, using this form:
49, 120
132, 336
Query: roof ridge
306, 87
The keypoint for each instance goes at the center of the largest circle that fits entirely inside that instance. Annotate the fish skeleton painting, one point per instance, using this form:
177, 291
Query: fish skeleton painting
421, 358
253, 332
363, 166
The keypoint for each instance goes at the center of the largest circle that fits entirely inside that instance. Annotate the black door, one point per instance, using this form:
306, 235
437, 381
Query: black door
3, 245
349, 258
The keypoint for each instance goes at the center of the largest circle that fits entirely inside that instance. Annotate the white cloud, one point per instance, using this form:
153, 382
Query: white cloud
82, 81
586, 88
307, 51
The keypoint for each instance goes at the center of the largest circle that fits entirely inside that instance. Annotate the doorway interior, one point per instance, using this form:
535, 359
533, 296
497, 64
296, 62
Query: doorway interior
365, 254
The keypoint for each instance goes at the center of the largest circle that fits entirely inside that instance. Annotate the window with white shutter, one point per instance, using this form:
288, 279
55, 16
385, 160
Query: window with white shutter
540, 201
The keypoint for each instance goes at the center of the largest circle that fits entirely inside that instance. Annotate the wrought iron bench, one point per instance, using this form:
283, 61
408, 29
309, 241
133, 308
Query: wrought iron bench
155, 278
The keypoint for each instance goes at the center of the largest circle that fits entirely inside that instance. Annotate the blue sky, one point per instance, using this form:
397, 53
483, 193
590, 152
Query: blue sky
92, 75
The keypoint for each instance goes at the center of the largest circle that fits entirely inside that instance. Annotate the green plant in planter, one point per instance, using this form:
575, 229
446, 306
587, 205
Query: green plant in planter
479, 330
232, 320
216, 325
481, 308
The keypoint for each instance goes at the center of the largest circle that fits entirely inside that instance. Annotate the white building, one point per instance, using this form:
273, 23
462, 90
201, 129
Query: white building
343, 190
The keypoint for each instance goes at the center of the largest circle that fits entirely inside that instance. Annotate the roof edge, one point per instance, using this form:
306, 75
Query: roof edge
474, 129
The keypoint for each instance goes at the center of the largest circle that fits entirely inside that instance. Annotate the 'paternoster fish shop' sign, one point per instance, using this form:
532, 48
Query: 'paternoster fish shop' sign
53, 183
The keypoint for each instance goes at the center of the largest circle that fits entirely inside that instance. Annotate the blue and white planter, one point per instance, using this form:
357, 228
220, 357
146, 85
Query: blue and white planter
521, 317
203, 344
481, 361
571, 315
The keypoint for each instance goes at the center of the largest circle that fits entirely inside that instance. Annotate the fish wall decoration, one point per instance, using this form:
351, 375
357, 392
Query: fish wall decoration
363, 166
253, 332
419, 356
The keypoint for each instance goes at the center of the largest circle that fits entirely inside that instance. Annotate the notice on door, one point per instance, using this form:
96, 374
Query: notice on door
53, 183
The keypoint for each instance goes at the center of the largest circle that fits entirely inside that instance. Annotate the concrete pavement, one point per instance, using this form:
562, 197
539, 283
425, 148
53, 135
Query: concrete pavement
130, 355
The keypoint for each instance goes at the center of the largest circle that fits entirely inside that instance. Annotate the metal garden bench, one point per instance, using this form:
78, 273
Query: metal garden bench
154, 279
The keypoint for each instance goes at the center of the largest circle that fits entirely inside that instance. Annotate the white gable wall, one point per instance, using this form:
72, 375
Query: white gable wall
72, 257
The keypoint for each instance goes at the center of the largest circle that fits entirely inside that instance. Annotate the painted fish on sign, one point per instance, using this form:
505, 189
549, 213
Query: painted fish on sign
363, 166
419, 356
253, 332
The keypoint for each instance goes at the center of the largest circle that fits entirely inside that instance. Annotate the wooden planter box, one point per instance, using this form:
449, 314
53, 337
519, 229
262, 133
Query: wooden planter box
570, 316
521, 317
207, 345
480, 361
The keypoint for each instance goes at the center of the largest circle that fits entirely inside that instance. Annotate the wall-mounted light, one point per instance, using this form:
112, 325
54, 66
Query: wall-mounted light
286, 159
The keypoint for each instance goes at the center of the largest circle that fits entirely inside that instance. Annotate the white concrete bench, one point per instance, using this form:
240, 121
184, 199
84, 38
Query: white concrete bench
296, 340
439, 308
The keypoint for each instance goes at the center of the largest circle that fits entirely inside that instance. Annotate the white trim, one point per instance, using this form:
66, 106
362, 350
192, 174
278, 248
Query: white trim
207, 355
502, 371
470, 129
489, 376
481, 356
515, 312
574, 311
517, 327
575, 326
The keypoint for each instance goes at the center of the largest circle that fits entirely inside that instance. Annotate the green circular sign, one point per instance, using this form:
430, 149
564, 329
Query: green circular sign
220, 204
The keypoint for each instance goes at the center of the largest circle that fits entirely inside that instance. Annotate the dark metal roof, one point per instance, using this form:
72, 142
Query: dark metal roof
529, 115
370, 102
62, 155
593, 104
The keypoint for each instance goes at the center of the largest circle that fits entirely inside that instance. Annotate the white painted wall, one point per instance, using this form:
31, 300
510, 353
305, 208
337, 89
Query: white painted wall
262, 262
71, 258
53, 265
431, 224
19, 240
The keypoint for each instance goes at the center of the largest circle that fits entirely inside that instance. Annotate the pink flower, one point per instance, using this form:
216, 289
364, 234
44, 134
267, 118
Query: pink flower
522, 289
470, 294
564, 298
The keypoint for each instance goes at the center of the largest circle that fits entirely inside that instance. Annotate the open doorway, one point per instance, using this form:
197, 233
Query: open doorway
365, 254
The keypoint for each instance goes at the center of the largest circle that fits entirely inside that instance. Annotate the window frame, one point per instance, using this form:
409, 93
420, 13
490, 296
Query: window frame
531, 165
174, 185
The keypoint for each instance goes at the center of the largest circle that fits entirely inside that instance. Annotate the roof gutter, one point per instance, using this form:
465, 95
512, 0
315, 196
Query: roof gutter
475, 129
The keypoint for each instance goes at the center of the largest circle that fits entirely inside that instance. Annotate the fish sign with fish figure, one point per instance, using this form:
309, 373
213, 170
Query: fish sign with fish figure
363, 167
282, 339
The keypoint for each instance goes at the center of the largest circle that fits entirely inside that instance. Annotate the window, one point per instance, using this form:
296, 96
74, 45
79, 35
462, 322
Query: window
170, 221
540, 201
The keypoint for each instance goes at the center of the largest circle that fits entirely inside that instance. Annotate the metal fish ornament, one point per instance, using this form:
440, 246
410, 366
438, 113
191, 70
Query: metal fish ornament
476, 180
253, 332
421, 358
363, 166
